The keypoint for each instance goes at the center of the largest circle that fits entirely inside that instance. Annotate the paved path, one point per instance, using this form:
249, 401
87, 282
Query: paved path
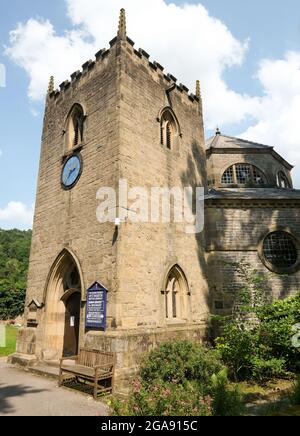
25, 394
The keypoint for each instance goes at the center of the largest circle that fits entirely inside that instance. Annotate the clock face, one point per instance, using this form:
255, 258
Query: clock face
71, 171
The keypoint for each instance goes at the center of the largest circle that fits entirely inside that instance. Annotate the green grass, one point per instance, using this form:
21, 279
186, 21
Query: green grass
271, 398
11, 338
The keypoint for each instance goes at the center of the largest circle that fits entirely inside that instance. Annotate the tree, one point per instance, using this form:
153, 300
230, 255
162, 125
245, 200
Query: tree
14, 259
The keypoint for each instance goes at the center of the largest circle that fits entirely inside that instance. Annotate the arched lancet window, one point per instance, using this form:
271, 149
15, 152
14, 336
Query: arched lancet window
176, 293
243, 174
169, 130
75, 125
282, 181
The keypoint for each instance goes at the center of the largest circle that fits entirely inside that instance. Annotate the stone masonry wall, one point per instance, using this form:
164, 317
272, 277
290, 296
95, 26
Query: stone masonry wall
67, 219
147, 251
234, 235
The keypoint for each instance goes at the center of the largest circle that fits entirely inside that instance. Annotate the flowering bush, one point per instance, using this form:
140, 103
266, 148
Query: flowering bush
163, 399
177, 379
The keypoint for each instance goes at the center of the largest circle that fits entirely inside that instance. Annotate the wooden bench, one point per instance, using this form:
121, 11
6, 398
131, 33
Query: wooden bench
91, 365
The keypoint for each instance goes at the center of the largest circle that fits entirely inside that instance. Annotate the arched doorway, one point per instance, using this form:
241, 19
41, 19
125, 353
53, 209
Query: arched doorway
72, 324
63, 307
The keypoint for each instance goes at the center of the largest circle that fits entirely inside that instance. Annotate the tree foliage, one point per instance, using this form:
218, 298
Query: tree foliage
14, 259
256, 340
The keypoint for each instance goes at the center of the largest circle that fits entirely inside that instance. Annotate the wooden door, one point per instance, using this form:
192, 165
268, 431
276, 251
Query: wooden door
72, 323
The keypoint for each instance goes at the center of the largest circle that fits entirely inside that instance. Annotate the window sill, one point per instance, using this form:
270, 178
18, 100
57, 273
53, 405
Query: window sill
176, 322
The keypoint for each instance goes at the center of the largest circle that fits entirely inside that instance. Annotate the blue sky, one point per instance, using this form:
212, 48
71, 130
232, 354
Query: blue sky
248, 76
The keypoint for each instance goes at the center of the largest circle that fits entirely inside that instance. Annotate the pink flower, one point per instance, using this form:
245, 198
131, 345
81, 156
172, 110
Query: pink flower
137, 385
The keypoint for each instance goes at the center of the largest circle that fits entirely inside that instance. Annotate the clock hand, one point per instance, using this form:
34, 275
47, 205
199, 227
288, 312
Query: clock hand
67, 176
71, 172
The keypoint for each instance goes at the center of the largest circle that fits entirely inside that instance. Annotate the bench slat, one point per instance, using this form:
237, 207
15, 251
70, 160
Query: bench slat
93, 365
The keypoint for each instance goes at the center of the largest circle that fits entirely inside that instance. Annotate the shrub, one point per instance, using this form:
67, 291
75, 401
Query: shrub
276, 329
266, 369
180, 361
177, 379
163, 399
256, 340
236, 347
251, 353
226, 401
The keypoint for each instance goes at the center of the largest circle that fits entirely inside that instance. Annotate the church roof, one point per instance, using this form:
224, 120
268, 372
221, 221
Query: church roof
253, 194
224, 142
220, 143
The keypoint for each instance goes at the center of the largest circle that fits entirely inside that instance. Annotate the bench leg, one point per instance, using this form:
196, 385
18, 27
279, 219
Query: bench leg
60, 377
96, 389
113, 384
96, 385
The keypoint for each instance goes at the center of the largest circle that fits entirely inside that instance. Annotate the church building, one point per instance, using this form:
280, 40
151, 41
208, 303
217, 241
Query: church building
123, 117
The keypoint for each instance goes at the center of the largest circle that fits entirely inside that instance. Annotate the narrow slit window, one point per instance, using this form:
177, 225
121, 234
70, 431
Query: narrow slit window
76, 132
169, 137
174, 303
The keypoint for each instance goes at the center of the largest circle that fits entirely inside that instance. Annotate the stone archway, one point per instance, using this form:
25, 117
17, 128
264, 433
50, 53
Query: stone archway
62, 309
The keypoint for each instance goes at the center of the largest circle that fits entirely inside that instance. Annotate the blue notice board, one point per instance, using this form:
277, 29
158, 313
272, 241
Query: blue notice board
96, 307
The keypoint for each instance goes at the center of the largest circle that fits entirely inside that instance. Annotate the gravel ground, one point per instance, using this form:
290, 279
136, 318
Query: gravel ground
25, 394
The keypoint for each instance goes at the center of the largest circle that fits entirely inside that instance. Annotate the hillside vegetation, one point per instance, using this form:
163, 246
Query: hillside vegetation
14, 258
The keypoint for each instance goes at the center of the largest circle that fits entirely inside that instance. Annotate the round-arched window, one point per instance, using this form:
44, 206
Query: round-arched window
243, 174
280, 251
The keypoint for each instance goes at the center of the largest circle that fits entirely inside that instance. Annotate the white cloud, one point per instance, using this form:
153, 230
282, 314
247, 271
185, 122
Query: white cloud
34, 112
1, 152
41, 52
16, 214
278, 112
2, 76
189, 42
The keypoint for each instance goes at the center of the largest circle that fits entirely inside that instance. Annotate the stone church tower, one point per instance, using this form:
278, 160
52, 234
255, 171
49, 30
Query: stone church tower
123, 124
120, 117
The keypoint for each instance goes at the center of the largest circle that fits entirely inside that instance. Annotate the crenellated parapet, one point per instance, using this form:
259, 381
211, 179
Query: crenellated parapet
124, 42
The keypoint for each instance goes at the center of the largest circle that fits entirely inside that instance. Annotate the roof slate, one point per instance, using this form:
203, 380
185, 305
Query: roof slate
253, 194
223, 141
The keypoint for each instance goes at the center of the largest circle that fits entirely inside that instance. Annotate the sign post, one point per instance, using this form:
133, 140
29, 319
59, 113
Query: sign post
96, 303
